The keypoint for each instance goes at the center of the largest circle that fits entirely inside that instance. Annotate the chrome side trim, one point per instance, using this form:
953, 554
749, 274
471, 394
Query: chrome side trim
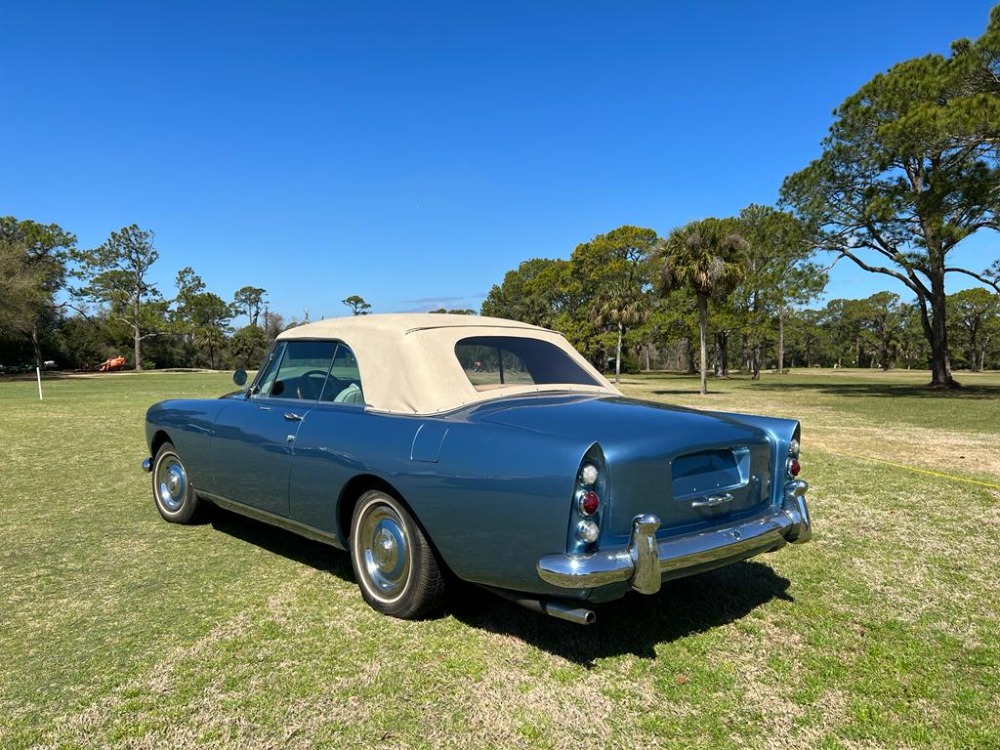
274, 520
645, 561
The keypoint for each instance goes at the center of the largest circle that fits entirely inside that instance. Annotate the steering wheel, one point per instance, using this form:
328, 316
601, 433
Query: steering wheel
310, 384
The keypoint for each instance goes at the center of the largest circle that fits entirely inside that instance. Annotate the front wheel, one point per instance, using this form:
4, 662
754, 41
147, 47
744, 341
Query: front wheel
396, 569
173, 492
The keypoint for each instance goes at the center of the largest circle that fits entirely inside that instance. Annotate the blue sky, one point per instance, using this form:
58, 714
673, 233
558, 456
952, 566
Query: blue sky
413, 153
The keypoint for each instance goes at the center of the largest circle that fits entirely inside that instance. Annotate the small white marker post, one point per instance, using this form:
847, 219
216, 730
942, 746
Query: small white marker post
38, 372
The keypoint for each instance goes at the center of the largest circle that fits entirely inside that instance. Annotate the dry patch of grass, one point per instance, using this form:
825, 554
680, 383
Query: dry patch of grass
911, 433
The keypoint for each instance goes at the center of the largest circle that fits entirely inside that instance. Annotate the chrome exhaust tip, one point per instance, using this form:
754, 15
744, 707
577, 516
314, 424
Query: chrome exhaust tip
568, 612
579, 615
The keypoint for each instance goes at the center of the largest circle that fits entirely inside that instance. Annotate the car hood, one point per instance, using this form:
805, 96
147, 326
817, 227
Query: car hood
615, 421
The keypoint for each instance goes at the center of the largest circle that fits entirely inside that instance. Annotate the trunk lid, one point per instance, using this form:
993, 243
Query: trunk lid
692, 469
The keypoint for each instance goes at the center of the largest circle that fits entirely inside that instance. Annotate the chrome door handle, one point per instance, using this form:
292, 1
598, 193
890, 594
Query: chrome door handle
292, 416
711, 502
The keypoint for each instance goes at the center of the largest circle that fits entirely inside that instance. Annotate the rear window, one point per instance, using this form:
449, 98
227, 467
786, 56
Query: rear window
497, 361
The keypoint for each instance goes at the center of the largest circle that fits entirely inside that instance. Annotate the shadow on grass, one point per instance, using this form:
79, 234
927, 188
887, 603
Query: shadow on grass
315, 554
685, 392
884, 390
633, 625
637, 623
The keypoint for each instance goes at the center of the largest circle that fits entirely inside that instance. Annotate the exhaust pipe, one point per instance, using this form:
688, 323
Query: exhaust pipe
578, 615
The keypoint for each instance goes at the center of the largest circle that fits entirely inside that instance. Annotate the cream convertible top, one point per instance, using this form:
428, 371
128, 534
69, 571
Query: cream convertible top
408, 362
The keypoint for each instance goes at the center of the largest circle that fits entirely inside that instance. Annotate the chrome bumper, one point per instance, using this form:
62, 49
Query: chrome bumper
645, 562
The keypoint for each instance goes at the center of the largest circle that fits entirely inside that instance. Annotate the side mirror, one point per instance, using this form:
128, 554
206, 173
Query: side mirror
240, 377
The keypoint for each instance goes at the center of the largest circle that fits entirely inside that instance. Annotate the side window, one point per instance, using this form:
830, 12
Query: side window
303, 370
344, 384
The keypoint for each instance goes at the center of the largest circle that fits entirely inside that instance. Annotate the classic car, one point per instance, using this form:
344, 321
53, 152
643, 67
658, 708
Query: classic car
441, 447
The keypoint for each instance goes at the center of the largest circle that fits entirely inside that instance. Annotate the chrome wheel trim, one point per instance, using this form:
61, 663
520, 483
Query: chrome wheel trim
384, 552
171, 483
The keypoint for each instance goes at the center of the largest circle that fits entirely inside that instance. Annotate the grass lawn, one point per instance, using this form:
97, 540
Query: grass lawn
119, 630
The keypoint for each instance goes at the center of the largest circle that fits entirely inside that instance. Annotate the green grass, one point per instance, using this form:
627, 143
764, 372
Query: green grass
119, 630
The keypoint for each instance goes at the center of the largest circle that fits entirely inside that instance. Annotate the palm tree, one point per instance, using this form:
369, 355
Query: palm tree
623, 306
707, 256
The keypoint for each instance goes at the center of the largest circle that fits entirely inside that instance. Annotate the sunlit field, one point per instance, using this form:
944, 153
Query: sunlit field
120, 630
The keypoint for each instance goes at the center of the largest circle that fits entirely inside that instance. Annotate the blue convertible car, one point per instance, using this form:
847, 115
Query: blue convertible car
487, 449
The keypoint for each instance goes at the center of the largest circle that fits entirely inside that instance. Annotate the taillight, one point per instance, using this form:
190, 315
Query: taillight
589, 502
585, 520
588, 531
792, 466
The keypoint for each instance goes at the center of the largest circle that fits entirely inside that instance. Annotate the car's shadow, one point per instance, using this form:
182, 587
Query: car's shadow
315, 554
636, 623
863, 390
633, 625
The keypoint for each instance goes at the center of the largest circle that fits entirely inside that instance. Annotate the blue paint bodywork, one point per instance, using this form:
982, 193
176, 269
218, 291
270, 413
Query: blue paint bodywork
494, 485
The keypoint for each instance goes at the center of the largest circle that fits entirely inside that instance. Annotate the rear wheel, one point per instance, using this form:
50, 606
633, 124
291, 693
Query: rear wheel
173, 492
396, 568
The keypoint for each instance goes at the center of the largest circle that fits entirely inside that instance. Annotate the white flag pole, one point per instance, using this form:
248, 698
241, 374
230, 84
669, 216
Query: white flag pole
38, 372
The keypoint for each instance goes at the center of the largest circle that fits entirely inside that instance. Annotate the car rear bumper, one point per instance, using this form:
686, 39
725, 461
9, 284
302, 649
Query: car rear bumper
648, 561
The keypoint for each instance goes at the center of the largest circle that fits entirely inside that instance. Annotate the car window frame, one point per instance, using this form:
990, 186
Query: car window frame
271, 361
271, 366
289, 346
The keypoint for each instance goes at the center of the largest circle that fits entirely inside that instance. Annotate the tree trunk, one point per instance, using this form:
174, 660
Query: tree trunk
724, 354
975, 362
36, 345
137, 336
933, 323
781, 341
703, 330
618, 356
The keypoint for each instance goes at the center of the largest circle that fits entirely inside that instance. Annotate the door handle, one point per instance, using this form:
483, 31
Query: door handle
711, 502
292, 416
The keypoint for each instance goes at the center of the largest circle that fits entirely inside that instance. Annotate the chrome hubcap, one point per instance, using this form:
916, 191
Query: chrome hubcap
171, 484
385, 553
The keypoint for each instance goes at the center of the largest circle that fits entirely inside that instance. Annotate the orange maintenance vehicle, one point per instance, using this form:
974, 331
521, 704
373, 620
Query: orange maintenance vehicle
111, 365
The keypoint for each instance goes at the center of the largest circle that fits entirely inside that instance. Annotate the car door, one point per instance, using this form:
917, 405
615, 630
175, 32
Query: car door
329, 445
255, 438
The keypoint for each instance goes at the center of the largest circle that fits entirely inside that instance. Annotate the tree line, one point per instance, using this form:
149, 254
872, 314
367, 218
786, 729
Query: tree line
79, 307
910, 168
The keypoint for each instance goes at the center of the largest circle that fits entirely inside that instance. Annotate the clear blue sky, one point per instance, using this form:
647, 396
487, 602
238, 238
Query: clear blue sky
413, 153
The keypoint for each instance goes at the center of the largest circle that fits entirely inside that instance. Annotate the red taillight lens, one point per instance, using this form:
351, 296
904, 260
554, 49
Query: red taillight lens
793, 467
589, 502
